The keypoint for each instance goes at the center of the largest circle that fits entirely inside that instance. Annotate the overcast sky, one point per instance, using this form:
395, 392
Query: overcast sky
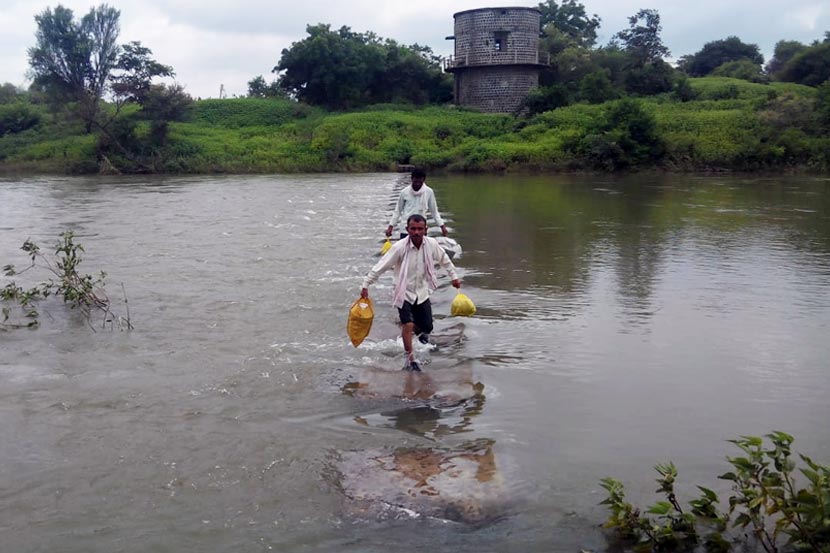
210, 43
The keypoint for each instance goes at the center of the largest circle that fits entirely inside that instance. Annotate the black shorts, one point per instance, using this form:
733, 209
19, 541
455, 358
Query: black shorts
420, 314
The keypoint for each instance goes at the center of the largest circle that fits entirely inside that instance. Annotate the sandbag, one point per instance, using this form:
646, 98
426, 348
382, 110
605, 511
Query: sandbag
361, 315
385, 248
462, 306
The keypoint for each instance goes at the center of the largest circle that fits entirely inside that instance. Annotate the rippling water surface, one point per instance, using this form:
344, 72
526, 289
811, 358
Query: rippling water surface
621, 323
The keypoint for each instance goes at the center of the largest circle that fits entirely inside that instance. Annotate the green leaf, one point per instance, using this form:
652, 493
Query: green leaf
660, 508
742, 520
809, 462
741, 462
778, 437
709, 494
753, 440
756, 502
812, 476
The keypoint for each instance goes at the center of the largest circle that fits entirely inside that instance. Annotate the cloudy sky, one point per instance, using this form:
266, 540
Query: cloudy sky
214, 43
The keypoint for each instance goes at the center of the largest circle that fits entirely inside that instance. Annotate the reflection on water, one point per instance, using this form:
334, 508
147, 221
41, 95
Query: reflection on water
433, 419
620, 322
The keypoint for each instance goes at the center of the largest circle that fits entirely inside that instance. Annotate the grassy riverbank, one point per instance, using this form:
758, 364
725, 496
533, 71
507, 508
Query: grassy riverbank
728, 124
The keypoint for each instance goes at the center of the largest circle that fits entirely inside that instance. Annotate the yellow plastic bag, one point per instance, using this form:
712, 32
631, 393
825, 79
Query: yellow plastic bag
361, 316
462, 306
385, 247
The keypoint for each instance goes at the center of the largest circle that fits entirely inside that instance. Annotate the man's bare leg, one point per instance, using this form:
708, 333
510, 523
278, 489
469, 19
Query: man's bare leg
406, 334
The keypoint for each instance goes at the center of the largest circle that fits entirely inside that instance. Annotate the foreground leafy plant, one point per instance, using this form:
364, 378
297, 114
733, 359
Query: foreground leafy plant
80, 291
765, 500
670, 528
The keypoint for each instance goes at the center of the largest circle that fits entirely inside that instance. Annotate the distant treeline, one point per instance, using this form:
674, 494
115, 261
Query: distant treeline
730, 124
347, 101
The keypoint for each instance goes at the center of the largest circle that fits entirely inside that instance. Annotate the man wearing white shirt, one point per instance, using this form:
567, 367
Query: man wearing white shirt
415, 198
413, 259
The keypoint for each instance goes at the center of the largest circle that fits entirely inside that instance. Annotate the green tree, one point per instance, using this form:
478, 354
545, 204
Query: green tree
9, 93
545, 98
258, 88
596, 87
343, 70
810, 66
81, 62
683, 90
73, 60
569, 19
642, 39
626, 136
410, 74
567, 67
644, 71
329, 68
784, 52
126, 142
740, 69
823, 104
718, 52
651, 78
163, 104
134, 73
17, 117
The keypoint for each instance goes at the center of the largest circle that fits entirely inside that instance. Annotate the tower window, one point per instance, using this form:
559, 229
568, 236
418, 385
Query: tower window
500, 41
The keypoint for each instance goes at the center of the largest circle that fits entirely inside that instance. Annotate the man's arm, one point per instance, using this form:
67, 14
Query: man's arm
386, 262
433, 208
440, 256
396, 214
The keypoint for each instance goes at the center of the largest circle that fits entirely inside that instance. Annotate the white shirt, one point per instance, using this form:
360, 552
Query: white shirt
410, 203
417, 285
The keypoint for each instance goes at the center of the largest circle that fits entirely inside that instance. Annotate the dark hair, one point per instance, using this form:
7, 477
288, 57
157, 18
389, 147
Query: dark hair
419, 173
417, 217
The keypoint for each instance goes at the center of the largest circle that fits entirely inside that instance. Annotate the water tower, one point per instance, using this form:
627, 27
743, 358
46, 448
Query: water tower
496, 61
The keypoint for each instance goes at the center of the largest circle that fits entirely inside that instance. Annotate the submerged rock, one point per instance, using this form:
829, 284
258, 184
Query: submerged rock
448, 385
460, 485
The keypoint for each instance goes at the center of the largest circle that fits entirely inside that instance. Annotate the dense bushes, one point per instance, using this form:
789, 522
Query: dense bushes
723, 124
18, 117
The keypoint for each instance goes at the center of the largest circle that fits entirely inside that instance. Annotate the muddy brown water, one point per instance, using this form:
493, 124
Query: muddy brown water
621, 322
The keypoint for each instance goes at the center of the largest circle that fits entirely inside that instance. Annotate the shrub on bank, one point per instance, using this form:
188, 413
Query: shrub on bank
725, 124
770, 503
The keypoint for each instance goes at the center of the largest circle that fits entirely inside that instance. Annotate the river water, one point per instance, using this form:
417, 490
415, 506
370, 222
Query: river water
622, 322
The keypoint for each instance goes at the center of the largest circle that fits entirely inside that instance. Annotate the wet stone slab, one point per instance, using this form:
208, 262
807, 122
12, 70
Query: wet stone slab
462, 484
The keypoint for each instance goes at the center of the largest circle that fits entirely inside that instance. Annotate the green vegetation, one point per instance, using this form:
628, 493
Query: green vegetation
766, 504
342, 70
348, 101
723, 124
84, 292
718, 52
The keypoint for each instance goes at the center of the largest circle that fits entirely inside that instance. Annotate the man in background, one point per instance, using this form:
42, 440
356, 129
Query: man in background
415, 198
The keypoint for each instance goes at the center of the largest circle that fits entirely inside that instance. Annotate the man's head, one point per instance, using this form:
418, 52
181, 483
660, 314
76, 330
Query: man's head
418, 177
416, 227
